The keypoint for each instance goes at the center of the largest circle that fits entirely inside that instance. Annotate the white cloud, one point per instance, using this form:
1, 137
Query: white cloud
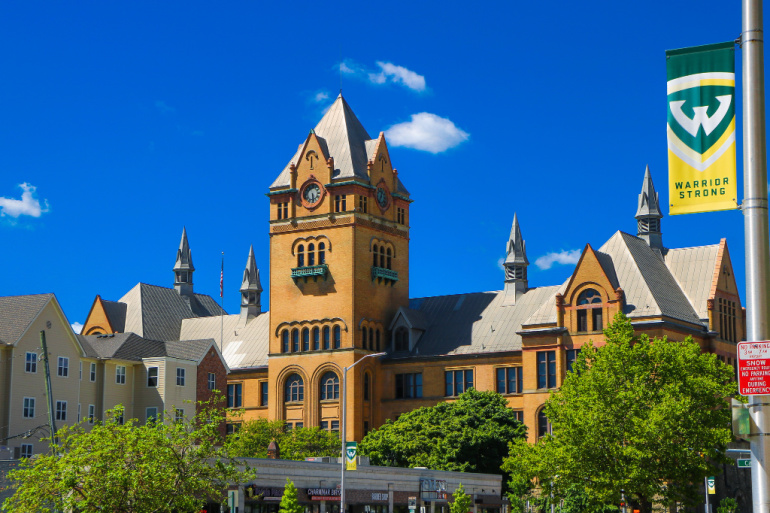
387, 73
398, 75
321, 96
77, 327
565, 257
426, 132
28, 205
163, 107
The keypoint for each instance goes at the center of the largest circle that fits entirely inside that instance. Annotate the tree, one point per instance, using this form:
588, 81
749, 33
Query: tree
461, 501
728, 505
289, 502
650, 417
160, 466
299, 443
470, 434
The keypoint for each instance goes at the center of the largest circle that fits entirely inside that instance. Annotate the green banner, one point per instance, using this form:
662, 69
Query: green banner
351, 451
701, 128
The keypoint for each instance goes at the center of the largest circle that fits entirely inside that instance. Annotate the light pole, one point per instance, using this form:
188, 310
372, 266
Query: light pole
344, 402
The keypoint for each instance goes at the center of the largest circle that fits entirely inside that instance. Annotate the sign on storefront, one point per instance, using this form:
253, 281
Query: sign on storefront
323, 494
433, 489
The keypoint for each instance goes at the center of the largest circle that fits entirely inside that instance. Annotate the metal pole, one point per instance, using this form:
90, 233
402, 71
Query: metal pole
343, 430
48, 392
756, 230
706, 489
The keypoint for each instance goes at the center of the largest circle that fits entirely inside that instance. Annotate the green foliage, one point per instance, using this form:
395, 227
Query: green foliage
156, 467
255, 435
647, 416
728, 505
461, 501
289, 502
470, 434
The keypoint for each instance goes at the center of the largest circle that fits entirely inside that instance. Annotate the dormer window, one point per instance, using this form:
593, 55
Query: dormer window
589, 308
401, 342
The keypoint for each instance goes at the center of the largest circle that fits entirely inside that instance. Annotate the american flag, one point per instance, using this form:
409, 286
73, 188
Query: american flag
222, 279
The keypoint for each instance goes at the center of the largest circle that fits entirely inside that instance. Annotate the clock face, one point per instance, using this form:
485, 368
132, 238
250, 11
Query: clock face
382, 197
312, 193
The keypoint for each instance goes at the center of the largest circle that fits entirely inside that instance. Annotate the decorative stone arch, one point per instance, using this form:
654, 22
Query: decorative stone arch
576, 291
375, 241
96, 330
280, 384
327, 321
311, 239
540, 428
315, 380
589, 307
375, 337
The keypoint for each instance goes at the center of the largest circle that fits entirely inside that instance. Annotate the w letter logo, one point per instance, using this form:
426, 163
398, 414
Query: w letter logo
700, 115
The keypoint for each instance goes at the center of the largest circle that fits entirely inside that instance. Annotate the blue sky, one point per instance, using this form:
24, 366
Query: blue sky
124, 121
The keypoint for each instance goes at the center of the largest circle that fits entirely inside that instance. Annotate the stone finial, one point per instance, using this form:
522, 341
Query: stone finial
619, 294
273, 451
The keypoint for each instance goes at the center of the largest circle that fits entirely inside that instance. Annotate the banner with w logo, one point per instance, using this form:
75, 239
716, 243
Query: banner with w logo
701, 128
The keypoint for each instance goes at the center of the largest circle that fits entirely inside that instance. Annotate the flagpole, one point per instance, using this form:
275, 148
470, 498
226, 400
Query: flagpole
222, 304
755, 214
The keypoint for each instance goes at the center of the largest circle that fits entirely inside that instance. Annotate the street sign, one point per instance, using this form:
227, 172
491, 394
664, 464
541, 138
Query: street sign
744, 463
754, 368
412, 502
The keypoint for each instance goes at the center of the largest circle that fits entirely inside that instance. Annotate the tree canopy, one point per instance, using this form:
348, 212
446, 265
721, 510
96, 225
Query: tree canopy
252, 439
461, 501
289, 502
470, 434
650, 417
160, 466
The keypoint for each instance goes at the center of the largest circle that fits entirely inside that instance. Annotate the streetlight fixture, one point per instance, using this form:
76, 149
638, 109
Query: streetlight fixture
344, 426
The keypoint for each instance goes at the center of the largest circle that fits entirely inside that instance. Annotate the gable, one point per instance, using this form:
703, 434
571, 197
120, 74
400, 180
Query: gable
589, 273
97, 321
724, 276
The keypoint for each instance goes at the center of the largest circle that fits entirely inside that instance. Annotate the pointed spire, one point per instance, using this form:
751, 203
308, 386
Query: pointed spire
515, 265
648, 214
183, 268
251, 288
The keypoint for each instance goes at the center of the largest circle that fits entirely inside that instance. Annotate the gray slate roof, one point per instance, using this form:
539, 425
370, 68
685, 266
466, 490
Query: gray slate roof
116, 313
17, 313
244, 347
693, 269
157, 312
344, 138
130, 346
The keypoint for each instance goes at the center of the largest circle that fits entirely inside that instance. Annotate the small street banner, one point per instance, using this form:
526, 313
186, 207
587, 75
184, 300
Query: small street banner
712, 484
701, 128
351, 450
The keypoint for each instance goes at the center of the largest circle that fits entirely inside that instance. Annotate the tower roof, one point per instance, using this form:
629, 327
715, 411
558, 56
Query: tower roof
251, 274
183, 254
516, 251
648, 199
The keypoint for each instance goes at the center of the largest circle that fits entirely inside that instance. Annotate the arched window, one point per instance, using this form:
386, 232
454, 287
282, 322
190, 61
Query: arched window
382, 256
377, 334
389, 262
374, 256
305, 339
589, 305
316, 339
543, 424
321, 253
295, 389
363, 337
367, 386
326, 337
371, 338
337, 337
301, 256
402, 339
330, 386
285, 341
311, 254
295, 340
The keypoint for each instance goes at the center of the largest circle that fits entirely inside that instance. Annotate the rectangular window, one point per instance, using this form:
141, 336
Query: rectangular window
596, 315
234, 398
63, 368
582, 320
299, 425
91, 413
340, 203
366, 427
546, 369
571, 355
120, 374
458, 381
28, 411
324, 425
283, 210
26, 450
93, 372
362, 204
61, 410
409, 386
78, 412
30, 362
178, 414
232, 427
519, 415
152, 376
509, 380
335, 426
401, 215
151, 414
263, 393
179, 376
212, 381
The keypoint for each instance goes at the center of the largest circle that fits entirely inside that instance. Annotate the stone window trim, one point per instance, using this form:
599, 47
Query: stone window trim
320, 335
373, 334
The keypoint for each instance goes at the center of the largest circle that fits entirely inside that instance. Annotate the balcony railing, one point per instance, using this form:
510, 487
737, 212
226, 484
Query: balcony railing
312, 271
382, 274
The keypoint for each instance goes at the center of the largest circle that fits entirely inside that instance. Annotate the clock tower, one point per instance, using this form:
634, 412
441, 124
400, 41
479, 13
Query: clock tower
339, 271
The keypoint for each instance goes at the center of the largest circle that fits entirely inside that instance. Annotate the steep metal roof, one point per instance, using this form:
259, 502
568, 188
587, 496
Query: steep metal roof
476, 322
649, 206
245, 346
17, 313
193, 350
121, 346
116, 313
157, 312
693, 269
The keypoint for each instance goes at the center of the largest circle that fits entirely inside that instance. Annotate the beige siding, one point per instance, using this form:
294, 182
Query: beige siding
180, 397
116, 393
148, 396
